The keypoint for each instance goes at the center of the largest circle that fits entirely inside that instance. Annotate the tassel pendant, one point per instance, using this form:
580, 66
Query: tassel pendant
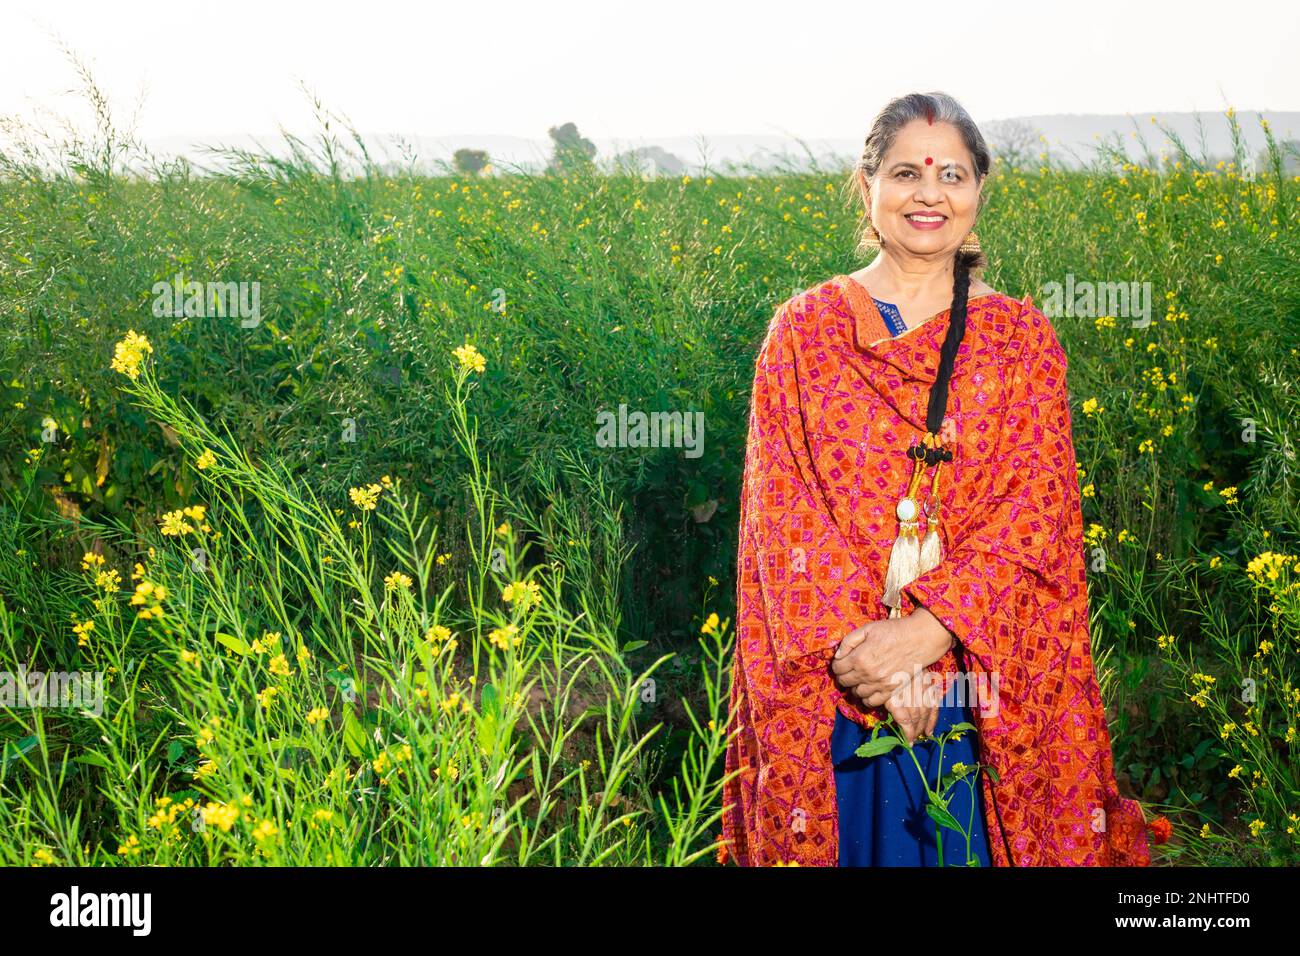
931, 547
910, 556
905, 555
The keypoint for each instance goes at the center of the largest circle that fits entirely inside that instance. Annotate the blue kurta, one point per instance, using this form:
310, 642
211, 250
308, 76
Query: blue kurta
881, 801
893, 318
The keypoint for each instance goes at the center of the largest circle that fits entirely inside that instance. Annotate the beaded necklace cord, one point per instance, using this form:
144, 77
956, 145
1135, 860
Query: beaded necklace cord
911, 556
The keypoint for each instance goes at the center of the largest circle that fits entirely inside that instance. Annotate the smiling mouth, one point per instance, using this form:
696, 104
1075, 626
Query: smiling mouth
926, 218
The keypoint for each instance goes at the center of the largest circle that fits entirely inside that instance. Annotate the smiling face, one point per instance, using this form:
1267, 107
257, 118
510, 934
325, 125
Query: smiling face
925, 196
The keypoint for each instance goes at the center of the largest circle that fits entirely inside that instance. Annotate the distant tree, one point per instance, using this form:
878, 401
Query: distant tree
571, 151
1013, 142
471, 161
650, 161
1290, 152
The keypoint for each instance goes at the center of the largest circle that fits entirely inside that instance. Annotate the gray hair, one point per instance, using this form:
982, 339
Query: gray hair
934, 107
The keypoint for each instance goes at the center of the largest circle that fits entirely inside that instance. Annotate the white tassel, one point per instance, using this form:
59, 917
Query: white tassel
910, 557
904, 563
905, 555
931, 550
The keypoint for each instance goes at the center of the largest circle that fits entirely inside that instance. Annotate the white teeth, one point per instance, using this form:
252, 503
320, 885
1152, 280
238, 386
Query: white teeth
916, 218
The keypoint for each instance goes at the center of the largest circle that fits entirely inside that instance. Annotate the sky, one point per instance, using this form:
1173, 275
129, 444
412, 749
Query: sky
811, 68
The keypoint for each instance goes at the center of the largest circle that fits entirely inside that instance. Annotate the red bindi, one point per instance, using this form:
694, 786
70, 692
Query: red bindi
929, 160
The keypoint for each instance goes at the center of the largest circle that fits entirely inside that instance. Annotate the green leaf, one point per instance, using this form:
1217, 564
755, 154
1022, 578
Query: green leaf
881, 745
941, 816
175, 750
354, 738
339, 678
234, 643
15, 749
696, 494
115, 496
487, 723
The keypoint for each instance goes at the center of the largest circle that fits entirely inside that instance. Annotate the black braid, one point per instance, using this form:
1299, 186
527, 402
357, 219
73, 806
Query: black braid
952, 340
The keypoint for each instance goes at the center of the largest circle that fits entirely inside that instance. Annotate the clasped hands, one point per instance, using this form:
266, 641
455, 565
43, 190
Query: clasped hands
883, 662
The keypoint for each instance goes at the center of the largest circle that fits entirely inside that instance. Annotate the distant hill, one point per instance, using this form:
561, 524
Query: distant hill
1069, 138
1205, 134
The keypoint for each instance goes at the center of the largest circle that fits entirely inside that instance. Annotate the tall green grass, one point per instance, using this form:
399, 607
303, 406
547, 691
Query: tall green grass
285, 687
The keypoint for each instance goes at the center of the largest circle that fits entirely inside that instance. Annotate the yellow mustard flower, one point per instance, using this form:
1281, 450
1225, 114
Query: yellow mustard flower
149, 597
505, 637
128, 354
527, 593
365, 498
264, 831
470, 358
437, 633
223, 815
83, 632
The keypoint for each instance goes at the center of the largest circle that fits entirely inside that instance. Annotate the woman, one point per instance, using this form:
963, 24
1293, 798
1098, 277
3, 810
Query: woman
911, 508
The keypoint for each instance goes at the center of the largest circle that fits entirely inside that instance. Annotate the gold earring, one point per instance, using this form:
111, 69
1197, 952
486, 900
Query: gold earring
971, 243
871, 238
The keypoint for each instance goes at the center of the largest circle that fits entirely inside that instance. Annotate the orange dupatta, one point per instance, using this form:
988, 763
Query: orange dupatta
836, 402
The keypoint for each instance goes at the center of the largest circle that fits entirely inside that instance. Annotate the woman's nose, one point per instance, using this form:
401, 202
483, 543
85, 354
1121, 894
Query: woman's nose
927, 191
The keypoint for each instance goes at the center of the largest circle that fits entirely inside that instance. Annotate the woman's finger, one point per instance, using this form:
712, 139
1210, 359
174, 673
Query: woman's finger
841, 665
851, 641
872, 698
